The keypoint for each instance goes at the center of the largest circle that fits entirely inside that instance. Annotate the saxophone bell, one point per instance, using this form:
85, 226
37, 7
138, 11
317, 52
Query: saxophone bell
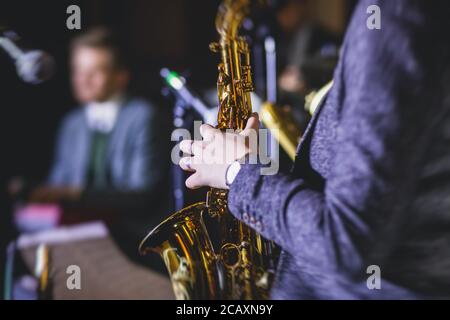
183, 243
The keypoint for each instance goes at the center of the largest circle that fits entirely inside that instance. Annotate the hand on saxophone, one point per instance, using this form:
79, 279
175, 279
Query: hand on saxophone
210, 158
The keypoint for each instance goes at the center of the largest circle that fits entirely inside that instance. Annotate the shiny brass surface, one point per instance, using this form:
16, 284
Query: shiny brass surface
284, 128
315, 98
241, 266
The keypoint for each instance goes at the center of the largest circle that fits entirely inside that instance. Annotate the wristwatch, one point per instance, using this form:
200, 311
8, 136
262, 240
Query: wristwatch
232, 172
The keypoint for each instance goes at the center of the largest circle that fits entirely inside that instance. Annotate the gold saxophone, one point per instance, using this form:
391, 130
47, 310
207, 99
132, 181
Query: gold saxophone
242, 267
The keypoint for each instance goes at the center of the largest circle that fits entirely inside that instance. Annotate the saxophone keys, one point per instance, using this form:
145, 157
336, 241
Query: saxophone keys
215, 47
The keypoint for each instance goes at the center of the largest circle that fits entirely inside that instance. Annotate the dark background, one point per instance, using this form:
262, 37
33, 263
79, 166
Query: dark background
173, 33
157, 33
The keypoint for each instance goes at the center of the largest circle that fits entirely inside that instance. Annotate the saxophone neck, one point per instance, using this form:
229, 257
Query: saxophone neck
234, 82
230, 16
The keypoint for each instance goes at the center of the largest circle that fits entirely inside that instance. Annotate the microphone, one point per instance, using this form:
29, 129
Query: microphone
33, 66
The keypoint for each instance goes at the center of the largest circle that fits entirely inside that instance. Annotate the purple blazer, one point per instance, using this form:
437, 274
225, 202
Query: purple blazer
371, 182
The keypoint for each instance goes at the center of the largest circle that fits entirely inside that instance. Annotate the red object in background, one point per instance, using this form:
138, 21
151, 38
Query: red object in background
37, 217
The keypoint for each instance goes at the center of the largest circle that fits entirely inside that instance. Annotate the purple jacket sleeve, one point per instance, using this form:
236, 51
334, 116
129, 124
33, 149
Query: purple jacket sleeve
386, 79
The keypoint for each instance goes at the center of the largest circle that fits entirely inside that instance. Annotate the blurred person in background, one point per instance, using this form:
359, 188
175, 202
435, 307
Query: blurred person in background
111, 156
302, 41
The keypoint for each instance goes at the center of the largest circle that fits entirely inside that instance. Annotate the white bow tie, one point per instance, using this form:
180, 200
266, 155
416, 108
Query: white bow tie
102, 116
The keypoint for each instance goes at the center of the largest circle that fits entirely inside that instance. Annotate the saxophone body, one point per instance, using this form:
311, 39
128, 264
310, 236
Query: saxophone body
241, 265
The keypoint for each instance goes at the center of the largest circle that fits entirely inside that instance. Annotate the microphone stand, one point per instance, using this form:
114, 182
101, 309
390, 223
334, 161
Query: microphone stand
179, 112
264, 47
185, 102
10, 47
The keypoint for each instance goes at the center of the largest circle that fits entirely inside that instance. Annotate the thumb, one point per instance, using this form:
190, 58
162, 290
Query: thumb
252, 124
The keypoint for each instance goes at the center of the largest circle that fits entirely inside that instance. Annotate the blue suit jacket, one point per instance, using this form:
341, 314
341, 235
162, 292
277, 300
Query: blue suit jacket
371, 182
138, 162
136, 155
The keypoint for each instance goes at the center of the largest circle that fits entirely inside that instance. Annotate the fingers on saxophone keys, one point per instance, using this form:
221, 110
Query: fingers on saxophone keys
186, 164
186, 146
192, 147
252, 125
